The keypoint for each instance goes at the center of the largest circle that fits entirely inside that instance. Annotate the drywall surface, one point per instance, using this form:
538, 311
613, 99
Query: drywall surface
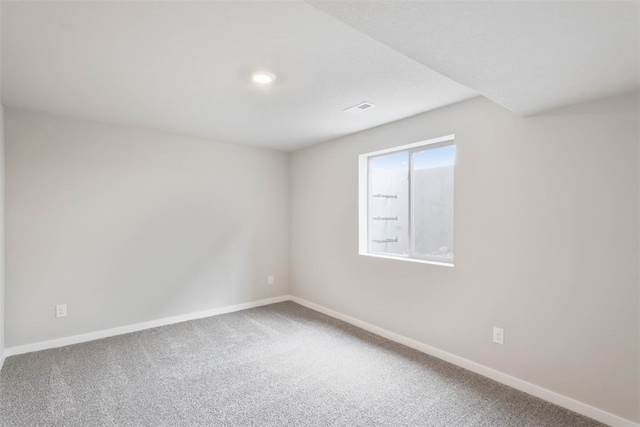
2, 306
546, 245
126, 226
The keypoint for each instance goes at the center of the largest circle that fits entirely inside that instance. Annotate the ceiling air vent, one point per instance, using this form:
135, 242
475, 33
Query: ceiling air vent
359, 108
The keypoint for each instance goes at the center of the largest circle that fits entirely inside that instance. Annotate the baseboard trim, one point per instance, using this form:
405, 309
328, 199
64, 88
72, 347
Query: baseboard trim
518, 384
532, 389
105, 333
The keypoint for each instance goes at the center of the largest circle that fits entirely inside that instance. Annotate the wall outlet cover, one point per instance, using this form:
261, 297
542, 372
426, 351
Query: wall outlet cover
61, 310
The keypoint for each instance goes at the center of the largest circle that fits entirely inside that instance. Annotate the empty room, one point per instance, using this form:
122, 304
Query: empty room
320, 213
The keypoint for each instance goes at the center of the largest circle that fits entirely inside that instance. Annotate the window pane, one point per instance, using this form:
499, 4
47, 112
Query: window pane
432, 200
388, 204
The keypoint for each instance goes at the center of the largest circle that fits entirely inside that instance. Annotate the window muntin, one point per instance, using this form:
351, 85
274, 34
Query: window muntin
407, 205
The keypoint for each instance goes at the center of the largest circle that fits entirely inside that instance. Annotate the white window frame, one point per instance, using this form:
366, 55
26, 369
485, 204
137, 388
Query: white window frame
363, 199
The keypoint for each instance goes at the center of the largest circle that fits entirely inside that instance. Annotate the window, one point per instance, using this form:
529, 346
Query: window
406, 202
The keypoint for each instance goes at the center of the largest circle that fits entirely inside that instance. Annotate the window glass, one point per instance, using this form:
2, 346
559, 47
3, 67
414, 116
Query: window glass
406, 202
388, 203
432, 202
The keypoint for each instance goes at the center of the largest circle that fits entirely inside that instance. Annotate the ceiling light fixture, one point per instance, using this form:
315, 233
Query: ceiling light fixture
263, 77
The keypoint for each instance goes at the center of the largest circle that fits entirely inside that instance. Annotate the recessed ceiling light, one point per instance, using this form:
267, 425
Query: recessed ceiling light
263, 77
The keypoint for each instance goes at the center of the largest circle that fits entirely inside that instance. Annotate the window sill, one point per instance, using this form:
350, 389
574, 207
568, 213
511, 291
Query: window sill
419, 261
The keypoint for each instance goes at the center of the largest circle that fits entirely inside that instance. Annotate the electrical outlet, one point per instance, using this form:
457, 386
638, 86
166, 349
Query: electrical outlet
61, 310
270, 280
498, 335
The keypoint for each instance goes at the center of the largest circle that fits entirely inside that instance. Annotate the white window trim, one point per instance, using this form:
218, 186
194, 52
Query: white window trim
363, 206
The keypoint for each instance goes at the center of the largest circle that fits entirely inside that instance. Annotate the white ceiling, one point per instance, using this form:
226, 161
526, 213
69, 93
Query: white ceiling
184, 67
528, 56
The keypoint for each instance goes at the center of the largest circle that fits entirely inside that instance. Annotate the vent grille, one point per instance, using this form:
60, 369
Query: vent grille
359, 108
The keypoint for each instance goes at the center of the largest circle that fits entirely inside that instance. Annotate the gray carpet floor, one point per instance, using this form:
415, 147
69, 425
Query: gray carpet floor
278, 365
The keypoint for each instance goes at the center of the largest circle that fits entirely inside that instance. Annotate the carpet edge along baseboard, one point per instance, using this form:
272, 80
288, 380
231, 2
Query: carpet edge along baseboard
120, 330
518, 384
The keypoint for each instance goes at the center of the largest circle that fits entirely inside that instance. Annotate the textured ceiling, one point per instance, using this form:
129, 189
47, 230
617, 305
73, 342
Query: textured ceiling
184, 67
528, 56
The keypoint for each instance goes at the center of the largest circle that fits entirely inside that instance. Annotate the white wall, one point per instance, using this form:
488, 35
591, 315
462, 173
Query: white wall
2, 305
126, 225
546, 245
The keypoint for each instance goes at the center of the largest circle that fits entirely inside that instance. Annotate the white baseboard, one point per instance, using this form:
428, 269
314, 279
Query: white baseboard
76, 339
532, 389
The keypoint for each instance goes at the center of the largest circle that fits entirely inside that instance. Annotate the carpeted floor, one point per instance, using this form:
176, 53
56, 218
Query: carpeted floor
279, 365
